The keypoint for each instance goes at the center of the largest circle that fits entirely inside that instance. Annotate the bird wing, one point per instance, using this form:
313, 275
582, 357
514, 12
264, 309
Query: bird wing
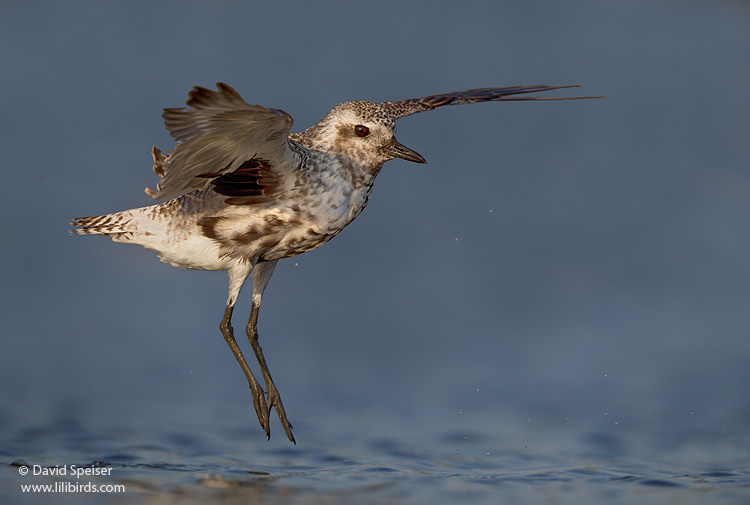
401, 108
222, 134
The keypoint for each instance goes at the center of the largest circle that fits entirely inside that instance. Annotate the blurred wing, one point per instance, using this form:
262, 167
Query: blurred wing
220, 134
410, 106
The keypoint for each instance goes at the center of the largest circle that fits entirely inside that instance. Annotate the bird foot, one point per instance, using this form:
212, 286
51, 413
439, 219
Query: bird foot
274, 401
261, 408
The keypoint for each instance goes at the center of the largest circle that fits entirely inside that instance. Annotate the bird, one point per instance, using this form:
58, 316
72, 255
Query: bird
241, 192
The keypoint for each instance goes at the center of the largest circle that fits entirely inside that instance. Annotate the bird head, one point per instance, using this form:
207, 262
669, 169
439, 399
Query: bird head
362, 131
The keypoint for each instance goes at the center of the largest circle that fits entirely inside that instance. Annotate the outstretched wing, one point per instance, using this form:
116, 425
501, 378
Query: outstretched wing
410, 106
218, 135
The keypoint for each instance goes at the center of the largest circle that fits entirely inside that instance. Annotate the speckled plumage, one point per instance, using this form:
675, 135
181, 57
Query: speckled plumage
243, 192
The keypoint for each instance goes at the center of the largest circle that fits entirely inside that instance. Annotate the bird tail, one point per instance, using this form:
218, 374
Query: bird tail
112, 225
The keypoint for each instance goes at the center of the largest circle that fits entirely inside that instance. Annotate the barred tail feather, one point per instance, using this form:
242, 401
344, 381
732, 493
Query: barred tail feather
110, 224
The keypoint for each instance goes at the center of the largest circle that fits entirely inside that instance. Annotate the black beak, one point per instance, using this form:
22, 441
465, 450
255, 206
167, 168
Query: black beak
398, 150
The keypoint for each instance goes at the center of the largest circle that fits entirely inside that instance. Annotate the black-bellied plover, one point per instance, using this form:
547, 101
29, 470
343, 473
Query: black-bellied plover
245, 193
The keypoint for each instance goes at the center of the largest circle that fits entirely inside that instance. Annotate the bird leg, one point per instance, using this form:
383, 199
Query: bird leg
237, 277
261, 273
259, 401
274, 400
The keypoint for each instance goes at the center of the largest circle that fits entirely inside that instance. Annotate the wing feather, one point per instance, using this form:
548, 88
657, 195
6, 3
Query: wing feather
216, 135
402, 108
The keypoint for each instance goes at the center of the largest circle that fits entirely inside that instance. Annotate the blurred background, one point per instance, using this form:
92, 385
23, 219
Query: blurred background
568, 279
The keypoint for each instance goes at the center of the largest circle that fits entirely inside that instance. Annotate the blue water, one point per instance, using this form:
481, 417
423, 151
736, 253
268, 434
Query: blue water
230, 464
553, 310
484, 443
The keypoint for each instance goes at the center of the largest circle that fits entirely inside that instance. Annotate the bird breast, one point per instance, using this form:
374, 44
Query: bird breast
304, 219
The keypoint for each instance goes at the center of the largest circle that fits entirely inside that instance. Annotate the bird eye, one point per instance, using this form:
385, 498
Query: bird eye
361, 131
